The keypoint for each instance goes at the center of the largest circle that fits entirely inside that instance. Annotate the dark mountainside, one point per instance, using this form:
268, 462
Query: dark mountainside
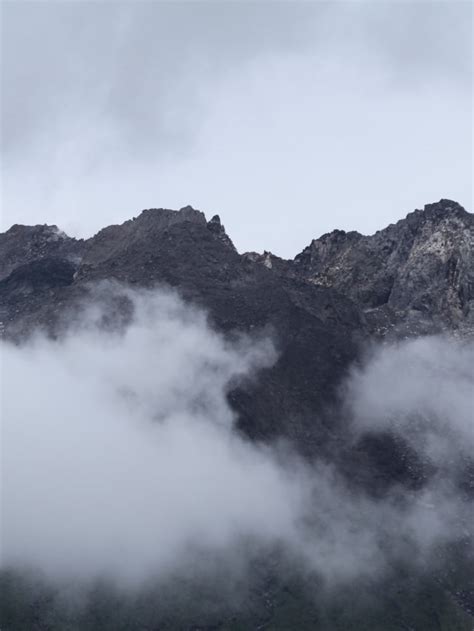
323, 308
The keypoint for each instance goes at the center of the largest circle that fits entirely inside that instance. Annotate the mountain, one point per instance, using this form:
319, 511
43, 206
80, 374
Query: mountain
416, 276
323, 308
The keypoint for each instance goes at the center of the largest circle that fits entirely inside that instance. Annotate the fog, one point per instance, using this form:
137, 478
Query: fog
422, 389
121, 457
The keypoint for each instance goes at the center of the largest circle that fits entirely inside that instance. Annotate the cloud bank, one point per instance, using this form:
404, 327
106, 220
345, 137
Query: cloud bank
422, 389
120, 455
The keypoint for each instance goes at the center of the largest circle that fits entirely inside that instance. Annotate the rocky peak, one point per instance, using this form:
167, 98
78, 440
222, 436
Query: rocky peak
145, 228
421, 267
23, 244
162, 218
444, 210
216, 227
188, 212
215, 221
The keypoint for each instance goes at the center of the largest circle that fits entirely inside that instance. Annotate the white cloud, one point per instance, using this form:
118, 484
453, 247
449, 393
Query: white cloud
119, 455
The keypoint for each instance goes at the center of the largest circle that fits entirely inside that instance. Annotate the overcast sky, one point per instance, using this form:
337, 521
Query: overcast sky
287, 119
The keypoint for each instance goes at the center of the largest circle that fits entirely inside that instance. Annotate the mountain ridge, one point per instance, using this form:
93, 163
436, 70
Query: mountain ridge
414, 277
444, 208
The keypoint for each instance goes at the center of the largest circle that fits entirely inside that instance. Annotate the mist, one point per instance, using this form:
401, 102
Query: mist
122, 458
422, 389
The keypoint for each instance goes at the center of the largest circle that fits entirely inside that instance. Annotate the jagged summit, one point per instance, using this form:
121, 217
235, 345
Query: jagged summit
444, 211
444, 208
160, 218
420, 267
217, 228
417, 274
23, 244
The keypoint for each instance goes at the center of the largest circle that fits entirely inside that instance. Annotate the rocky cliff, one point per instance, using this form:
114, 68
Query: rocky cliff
414, 276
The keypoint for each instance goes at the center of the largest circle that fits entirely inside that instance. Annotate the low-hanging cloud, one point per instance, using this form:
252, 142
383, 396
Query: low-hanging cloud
118, 451
422, 389
120, 455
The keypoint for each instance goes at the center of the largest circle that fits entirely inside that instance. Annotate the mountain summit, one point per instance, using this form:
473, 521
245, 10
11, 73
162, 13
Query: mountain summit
415, 276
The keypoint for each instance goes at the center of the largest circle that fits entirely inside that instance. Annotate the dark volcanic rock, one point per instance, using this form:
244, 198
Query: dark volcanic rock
419, 270
24, 244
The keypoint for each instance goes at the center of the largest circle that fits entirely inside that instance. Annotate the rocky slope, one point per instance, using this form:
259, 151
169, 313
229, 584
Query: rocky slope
414, 276
316, 328
322, 307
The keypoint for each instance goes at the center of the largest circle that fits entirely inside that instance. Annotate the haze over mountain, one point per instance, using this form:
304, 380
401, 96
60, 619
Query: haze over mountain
197, 438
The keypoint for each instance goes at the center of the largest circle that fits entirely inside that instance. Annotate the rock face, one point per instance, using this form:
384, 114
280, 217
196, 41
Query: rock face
421, 268
26, 244
344, 289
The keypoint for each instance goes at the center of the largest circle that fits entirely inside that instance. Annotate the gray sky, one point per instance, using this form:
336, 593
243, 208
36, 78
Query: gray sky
288, 119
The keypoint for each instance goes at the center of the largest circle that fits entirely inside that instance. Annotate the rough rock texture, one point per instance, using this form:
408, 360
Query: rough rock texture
420, 269
24, 244
343, 290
